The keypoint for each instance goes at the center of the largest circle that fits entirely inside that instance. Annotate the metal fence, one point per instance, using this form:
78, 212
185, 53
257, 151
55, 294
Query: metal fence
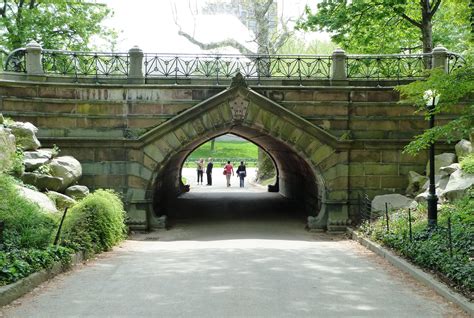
219, 67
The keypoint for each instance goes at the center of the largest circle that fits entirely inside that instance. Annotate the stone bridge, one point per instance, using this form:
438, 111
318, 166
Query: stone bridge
331, 137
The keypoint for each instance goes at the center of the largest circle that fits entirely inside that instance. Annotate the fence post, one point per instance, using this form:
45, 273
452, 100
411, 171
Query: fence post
2, 228
450, 238
409, 224
440, 58
34, 67
386, 216
339, 65
58, 233
135, 72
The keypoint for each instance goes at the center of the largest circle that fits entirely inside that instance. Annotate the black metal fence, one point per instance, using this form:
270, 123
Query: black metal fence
224, 66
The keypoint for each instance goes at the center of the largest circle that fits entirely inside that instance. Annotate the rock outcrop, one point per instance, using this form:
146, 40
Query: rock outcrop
60, 200
25, 134
463, 148
415, 183
7, 149
66, 168
77, 192
458, 184
442, 160
38, 198
394, 201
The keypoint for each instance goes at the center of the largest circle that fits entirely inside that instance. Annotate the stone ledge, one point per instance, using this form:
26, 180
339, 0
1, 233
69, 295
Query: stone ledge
17, 289
418, 274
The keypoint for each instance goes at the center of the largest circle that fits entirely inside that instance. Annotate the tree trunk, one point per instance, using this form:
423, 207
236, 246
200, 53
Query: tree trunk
213, 142
426, 31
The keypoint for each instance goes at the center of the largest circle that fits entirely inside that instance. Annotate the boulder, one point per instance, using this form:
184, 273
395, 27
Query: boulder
442, 160
35, 159
459, 182
463, 148
395, 201
77, 192
2, 120
67, 168
43, 182
415, 183
60, 200
7, 149
39, 198
440, 183
25, 134
450, 169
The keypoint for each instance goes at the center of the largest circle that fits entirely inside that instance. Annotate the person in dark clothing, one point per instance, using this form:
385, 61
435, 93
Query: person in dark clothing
200, 170
209, 167
241, 173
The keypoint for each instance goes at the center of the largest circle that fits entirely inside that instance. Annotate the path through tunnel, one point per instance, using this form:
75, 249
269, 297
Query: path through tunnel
296, 192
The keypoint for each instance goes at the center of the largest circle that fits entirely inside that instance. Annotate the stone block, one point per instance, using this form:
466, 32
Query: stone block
381, 169
138, 108
137, 182
356, 169
56, 92
372, 182
331, 96
173, 109
396, 182
390, 156
365, 155
321, 153
110, 154
150, 163
383, 96
299, 95
337, 183
152, 151
138, 170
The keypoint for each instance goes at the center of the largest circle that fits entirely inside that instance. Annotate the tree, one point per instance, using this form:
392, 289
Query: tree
454, 90
259, 17
55, 24
375, 26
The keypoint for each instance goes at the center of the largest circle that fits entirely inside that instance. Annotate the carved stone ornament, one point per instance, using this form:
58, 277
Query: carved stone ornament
239, 105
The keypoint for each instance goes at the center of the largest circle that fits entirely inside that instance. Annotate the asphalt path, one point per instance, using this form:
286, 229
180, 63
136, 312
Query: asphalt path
234, 268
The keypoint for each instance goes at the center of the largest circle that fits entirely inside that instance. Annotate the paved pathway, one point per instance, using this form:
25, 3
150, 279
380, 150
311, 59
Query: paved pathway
238, 268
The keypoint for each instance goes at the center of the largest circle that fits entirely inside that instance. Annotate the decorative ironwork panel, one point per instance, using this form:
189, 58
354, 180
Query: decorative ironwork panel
16, 61
386, 66
85, 63
226, 66
455, 61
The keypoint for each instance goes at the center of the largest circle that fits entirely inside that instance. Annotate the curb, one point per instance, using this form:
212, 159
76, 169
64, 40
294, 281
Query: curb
17, 289
424, 278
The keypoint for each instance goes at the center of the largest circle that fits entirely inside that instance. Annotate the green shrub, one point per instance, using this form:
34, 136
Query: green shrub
467, 163
26, 225
430, 249
96, 223
16, 264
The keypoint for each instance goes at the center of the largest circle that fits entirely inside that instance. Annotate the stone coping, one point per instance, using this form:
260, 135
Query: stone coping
17, 289
417, 273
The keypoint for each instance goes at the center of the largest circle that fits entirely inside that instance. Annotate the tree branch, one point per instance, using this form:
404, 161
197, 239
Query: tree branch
412, 21
435, 8
214, 45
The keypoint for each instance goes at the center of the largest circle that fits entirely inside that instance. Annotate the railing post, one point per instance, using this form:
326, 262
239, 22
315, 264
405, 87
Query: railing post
440, 58
339, 72
135, 72
33, 59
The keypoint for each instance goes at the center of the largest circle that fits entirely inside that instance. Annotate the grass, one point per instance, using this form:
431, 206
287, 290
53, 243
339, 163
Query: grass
234, 151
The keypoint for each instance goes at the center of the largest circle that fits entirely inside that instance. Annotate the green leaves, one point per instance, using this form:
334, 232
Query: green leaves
455, 90
55, 24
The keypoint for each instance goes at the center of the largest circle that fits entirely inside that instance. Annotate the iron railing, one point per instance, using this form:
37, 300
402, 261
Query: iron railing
224, 66
455, 61
389, 66
85, 63
16, 61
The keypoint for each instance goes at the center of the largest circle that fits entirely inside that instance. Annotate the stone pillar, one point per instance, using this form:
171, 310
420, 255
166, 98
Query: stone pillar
440, 58
135, 73
339, 65
33, 59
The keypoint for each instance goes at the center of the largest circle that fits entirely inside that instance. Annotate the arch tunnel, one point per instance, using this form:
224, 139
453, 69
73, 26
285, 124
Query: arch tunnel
297, 190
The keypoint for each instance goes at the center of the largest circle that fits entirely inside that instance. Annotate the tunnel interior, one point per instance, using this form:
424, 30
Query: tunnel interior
297, 190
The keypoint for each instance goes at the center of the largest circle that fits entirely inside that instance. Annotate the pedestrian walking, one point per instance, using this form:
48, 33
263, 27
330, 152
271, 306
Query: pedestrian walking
200, 170
228, 171
241, 173
209, 167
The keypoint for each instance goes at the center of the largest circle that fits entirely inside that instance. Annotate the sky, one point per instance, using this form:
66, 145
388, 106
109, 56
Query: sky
151, 25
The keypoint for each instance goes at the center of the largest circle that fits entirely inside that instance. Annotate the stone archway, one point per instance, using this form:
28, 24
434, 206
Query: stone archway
310, 165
